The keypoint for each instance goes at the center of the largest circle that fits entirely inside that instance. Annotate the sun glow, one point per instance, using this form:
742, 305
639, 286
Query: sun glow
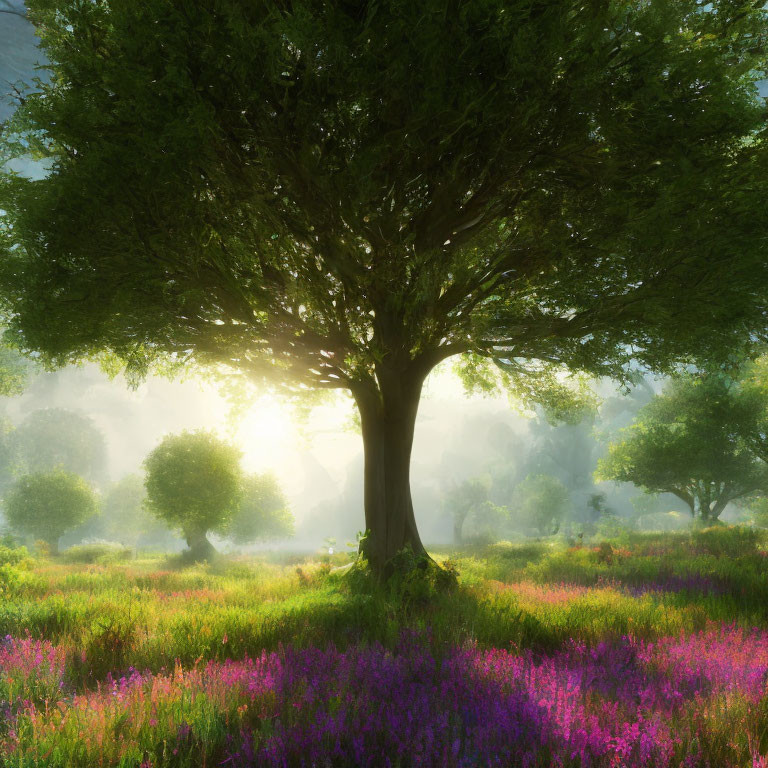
267, 434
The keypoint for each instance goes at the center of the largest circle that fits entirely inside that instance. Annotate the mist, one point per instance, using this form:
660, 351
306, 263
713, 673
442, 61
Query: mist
318, 459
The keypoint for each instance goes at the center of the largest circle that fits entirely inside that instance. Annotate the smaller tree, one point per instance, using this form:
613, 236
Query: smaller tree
697, 440
543, 501
194, 483
263, 512
462, 499
47, 505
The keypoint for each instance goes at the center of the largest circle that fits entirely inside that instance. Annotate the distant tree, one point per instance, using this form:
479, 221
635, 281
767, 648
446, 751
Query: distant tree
647, 504
125, 517
757, 508
194, 484
263, 512
752, 385
597, 504
543, 501
462, 499
485, 523
8, 466
697, 441
341, 195
47, 505
57, 438
15, 372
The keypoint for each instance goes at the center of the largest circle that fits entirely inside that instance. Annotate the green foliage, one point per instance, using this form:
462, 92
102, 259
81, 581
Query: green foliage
565, 398
696, 440
15, 564
144, 615
646, 504
14, 371
55, 438
341, 195
730, 542
614, 527
664, 521
531, 183
47, 505
104, 552
125, 517
543, 501
415, 580
15, 556
438, 202
194, 483
758, 507
8, 458
10, 579
464, 498
263, 512
486, 523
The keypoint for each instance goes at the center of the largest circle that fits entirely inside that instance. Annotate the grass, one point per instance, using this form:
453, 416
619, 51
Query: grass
167, 659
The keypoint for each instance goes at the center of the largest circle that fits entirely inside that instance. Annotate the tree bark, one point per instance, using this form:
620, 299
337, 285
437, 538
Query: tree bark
199, 546
687, 498
458, 529
718, 508
388, 419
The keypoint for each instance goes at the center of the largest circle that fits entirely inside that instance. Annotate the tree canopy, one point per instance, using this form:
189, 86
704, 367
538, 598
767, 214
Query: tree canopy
342, 195
52, 438
47, 505
263, 512
14, 371
125, 517
194, 484
461, 499
696, 440
543, 501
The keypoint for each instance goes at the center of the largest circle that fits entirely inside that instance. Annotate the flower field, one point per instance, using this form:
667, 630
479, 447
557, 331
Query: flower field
647, 652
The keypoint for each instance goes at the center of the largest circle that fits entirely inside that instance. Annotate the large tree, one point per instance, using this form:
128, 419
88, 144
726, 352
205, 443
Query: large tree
342, 195
696, 441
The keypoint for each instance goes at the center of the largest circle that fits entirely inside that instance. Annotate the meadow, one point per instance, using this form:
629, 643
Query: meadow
649, 650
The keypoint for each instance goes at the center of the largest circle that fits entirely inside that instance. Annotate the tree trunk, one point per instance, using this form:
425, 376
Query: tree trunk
458, 529
687, 498
388, 419
53, 545
704, 509
705, 503
718, 508
199, 546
